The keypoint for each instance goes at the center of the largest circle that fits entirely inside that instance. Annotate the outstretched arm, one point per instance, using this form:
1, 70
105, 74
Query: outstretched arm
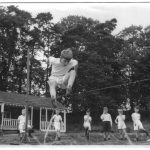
76, 67
49, 61
110, 120
116, 120
51, 120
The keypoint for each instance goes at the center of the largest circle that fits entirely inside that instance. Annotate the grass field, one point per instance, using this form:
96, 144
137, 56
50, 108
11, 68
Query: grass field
75, 136
73, 139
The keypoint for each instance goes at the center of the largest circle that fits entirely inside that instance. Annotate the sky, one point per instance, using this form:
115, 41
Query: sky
127, 14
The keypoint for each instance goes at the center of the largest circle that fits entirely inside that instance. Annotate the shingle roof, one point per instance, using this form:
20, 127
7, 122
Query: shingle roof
20, 100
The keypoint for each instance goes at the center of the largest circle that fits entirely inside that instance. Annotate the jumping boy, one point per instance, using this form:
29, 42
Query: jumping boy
57, 124
107, 123
87, 123
137, 124
120, 121
63, 73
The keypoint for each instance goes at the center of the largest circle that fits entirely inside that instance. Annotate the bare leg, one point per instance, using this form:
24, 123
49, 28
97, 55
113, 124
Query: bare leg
121, 134
86, 131
88, 134
56, 137
58, 133
69, 80
146, 132
124, 133
104, 134
137, 135
108, 135
52, 88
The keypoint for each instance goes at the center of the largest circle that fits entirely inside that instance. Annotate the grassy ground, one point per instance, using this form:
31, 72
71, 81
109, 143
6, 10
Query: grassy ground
96, 138
75, 136
98, 127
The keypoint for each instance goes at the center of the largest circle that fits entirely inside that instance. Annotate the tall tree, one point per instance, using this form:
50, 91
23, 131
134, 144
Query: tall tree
12, 22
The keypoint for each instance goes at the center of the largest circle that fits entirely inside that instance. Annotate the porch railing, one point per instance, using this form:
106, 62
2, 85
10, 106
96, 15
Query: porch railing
11, 123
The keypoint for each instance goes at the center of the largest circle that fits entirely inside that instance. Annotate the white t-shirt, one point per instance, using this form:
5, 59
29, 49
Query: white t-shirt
57, 118
106, 117
136, 117
120, 121
58, 69
136, 121
120, 118
21, 119
87, 121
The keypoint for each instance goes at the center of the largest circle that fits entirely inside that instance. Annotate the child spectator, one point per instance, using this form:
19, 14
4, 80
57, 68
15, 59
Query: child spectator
137, 124
21, 124
120, 121
87, 123
107, 123
57, 124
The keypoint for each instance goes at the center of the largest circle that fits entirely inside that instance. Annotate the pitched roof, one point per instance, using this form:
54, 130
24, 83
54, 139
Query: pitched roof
20, 100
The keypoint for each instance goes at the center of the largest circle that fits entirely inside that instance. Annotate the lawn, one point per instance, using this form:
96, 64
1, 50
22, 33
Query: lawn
96, 138
75, 136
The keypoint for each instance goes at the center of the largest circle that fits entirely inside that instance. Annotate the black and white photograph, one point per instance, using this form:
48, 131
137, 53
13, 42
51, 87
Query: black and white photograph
74, 73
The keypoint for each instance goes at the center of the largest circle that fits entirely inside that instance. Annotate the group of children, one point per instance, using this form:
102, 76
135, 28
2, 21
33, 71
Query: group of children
56, 121
120, 121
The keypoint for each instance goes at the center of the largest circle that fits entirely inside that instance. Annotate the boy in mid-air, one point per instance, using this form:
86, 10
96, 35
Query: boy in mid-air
63, 73
107, 123
137, 124
87, 123
57, 124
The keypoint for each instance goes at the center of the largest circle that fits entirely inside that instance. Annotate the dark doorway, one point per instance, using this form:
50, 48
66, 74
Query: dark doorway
36, 119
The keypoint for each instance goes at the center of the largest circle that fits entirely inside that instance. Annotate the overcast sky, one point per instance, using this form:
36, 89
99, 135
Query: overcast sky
125, 13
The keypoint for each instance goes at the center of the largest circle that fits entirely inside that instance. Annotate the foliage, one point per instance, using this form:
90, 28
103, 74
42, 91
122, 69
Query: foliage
104, 59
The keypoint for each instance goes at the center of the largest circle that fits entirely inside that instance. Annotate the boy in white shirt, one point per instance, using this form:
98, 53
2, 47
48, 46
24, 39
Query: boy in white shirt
57, 124
137, 124
120, 121
87, 123
63, 73
21, 124
107, 123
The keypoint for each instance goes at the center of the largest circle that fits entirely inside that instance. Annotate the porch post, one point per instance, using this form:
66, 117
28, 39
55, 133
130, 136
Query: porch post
31, 116
40, 117
64, 120
2, 111
46, 120
46, 114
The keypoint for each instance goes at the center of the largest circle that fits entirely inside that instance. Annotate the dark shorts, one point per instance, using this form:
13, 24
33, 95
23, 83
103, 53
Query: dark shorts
106, 126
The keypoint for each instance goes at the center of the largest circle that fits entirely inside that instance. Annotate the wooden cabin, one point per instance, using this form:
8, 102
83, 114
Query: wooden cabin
40, 111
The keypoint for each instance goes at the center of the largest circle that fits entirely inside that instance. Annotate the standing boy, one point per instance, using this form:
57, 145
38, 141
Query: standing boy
107, 123
87, 123
57, 124
63, 73
21, 124
137, 124
120, 121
